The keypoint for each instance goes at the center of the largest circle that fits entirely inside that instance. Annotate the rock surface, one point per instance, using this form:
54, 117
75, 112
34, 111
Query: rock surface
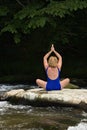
38, 96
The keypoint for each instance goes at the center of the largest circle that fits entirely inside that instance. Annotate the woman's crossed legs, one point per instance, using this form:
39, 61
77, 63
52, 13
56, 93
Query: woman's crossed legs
42, 83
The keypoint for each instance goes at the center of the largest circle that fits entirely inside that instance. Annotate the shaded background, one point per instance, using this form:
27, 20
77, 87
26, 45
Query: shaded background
21, 55
24, 62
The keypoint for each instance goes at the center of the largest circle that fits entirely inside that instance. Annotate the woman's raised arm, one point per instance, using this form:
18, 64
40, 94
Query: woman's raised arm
45, 59
59, 59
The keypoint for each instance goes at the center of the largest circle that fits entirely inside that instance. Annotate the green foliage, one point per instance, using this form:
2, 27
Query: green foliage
17, 38
10, 28
37, 22
3, 11
37, 14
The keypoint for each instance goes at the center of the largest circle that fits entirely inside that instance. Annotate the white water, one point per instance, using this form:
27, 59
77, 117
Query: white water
9, 87
7, 107
80, 126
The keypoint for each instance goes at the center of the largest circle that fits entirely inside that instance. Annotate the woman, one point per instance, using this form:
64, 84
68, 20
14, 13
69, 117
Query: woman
53, 67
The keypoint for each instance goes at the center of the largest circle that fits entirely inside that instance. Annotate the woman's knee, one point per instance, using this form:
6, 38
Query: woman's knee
37, 81
64, 82
68, 80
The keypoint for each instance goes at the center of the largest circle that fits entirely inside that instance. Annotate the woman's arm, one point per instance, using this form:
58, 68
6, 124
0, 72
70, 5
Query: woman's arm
59, 58
45, 59
48, 54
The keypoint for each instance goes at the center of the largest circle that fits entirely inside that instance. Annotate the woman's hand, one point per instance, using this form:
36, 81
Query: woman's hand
52, 48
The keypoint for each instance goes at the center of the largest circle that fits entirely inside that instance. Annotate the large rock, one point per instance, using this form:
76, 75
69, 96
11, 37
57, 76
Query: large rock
38, 96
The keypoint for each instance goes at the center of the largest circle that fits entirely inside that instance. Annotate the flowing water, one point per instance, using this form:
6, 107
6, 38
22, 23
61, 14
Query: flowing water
25, 117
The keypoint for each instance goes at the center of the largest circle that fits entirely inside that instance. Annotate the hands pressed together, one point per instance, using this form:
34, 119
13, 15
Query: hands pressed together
52, 48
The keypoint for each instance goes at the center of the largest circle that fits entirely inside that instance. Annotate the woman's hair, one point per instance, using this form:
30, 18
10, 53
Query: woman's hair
52, 61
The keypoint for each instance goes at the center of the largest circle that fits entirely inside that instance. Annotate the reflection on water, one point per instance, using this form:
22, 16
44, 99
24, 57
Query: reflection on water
24, 117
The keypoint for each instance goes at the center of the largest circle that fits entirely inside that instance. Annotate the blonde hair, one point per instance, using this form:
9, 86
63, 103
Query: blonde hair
53, 61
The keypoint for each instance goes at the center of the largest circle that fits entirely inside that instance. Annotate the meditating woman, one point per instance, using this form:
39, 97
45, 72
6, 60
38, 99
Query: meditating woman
52, 65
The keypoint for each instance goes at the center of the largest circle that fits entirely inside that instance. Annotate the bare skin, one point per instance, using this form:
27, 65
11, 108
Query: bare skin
52, 72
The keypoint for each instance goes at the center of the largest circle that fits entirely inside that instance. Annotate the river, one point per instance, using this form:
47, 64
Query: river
25, 117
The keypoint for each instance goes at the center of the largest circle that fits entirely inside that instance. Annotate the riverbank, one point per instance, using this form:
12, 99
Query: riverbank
29, 117
40, 97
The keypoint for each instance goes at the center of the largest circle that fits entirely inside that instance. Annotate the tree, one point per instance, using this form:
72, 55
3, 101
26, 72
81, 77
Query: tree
21, 17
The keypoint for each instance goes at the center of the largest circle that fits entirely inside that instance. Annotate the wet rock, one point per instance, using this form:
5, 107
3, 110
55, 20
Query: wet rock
72, 86
38, 96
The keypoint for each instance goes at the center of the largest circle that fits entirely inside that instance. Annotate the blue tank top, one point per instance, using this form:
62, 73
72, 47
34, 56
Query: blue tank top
53, 84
